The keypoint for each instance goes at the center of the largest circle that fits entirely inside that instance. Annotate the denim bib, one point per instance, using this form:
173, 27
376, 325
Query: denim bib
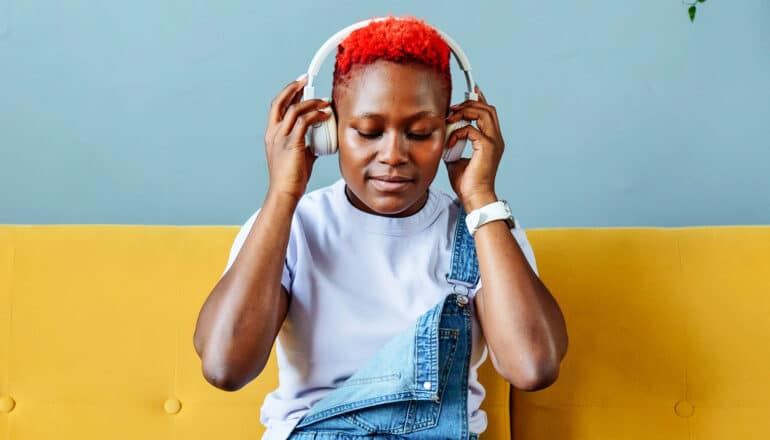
416, 385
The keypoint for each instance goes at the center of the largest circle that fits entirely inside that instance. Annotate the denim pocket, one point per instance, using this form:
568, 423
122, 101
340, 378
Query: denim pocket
409, 416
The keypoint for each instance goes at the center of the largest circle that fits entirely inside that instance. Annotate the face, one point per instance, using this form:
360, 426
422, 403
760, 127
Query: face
391, 129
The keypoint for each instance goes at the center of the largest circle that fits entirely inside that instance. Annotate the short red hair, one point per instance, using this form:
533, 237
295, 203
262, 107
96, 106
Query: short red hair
402, 40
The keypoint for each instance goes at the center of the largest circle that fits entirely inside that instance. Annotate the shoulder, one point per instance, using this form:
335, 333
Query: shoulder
447, 199
317, 209
309, 204
312, 207
321, 198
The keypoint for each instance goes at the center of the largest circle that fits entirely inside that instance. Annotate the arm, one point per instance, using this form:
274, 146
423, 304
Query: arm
522, 323
242, 315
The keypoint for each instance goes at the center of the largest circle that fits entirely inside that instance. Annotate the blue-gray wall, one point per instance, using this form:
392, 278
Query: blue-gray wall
615, 113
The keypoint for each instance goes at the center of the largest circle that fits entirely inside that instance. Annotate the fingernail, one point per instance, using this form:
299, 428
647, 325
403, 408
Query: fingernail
301, 77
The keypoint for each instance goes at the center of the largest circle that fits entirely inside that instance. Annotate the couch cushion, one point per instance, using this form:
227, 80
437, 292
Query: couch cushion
668, 335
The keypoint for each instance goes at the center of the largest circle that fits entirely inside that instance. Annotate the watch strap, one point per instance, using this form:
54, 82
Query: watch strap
498, 210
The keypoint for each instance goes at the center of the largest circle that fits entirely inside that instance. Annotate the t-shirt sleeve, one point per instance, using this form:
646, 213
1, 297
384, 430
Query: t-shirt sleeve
240, 238
526, 248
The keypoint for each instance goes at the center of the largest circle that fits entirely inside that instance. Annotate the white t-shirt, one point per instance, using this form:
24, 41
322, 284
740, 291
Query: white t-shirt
357, 279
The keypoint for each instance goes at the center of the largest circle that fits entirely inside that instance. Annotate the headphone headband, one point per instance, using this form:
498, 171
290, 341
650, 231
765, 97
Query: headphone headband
331, 45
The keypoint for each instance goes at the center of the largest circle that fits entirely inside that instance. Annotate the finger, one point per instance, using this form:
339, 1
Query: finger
471, 133
297, 97
478, 105
280, 102
295, 110
479, 112
297, 135
482, 98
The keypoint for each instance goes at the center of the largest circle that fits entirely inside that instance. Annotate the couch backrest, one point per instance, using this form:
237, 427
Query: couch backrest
668, 335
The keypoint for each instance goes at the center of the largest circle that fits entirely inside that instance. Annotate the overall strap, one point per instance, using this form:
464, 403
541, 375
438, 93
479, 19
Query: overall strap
464, 265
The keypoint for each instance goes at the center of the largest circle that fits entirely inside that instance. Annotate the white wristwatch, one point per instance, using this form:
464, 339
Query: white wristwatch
498, 210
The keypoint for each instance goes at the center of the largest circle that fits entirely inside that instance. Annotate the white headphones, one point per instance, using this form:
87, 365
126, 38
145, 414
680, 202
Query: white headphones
321, 138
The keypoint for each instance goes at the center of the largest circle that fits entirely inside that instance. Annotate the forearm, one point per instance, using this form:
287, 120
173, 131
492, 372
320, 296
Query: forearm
522, 322
240, 319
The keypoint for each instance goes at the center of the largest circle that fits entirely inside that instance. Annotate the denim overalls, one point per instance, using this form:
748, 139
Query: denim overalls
416, 385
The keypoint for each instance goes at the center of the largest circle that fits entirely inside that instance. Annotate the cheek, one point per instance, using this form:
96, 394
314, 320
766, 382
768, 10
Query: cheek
429, 153
428, 159
347, 140
353, 160
356, 151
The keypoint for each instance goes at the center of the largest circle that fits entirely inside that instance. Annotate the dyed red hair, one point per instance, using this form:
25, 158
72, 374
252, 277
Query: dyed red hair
401, 40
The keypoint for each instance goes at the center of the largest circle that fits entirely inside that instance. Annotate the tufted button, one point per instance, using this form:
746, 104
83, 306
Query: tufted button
684, 408
172, 406
7, 404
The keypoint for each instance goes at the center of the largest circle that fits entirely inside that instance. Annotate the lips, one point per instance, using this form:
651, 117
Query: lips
389, 183
392, 178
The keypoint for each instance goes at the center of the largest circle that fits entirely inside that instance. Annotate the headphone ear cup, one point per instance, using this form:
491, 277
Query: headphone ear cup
321, 137
456, 152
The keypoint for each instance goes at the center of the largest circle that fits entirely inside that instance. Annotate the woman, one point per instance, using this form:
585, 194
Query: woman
337, 274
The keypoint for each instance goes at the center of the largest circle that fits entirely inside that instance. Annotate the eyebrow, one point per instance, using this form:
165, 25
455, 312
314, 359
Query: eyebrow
414, 116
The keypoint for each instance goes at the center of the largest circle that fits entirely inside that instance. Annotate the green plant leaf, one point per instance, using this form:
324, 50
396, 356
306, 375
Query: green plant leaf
701, 1
691, 11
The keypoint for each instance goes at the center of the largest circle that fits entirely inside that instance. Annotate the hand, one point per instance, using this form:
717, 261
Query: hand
289, 161
474, 179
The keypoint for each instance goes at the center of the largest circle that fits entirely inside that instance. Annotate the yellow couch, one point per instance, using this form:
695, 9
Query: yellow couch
669, 336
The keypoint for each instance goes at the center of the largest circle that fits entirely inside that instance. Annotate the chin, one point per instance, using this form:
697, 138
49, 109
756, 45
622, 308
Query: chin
389, 206
391, 203
383, 199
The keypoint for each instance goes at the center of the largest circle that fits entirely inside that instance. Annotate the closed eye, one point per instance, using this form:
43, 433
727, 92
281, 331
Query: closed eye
420, 137
369, 135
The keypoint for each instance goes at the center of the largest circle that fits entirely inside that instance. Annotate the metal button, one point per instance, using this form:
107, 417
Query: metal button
462, 300
460, 289
426, 385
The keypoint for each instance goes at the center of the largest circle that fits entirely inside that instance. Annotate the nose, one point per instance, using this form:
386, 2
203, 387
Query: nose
393, 151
